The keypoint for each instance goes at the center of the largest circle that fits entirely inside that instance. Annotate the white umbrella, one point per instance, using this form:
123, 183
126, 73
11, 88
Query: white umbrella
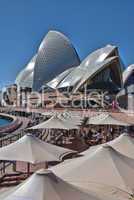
105, 119
104, 166
44, 185
91, 150
71, 118
124, 144
55, 122
32, 150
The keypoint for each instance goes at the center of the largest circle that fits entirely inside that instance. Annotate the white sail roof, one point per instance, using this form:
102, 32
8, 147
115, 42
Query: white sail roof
31, 149
89, 74
25, 77
129, 90
91, 66
55, 55
127, 73
56, 81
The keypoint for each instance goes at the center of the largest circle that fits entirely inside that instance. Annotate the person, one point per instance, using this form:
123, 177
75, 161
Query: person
109, 135
112, 132
96, 138
114, 105
90, 134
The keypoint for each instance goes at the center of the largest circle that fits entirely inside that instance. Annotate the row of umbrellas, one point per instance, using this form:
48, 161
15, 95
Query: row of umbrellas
70, 121
106, 173
44, 184
105, 119
64, 120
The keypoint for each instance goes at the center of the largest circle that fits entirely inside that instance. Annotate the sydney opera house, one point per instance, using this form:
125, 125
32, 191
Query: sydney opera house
69, 116
57, 67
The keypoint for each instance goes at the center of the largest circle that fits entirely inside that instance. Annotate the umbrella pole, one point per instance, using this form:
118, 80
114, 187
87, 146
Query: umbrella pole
14, 166
4, 167
68, 133
46, 165
28, 169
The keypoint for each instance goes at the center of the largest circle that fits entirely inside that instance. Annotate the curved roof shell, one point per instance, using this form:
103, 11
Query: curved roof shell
55, 55
56, 81
25, 77
126, 91
93, 65
128, 75
96, 70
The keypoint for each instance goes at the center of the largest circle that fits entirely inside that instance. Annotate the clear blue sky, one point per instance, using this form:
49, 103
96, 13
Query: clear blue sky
89, 24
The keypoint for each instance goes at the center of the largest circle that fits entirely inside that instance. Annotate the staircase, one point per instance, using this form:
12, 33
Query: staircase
10, 180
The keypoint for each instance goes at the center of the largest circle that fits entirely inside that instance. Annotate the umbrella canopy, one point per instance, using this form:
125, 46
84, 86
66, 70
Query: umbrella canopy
124, 144
70, 117
32, 150
106, 119
104, 166
56, 122
91, 150
44, 185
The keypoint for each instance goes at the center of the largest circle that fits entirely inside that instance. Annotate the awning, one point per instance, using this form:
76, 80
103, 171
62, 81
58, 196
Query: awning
32, 150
